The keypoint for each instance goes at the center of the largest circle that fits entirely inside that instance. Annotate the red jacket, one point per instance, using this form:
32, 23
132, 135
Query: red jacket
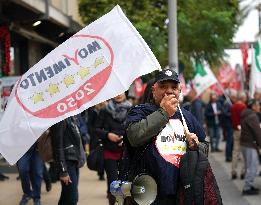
236, 110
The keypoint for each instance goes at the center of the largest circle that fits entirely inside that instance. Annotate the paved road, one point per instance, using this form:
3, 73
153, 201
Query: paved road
92, 191
231, 189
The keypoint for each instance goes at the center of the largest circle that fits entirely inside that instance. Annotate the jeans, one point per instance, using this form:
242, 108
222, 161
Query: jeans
251, 164
30, 168
111, 169
69, 194
229, 142
214, 133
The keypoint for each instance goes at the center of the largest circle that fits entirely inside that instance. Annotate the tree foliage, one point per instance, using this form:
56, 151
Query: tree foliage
205, 28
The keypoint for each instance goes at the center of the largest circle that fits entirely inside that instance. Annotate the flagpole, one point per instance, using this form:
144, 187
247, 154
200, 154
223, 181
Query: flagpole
222, 89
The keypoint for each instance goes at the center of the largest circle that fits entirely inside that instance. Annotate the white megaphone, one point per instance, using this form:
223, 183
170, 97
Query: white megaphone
143, 190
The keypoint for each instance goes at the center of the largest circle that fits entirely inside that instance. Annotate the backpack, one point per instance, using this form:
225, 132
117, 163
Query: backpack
44, 146
198, 185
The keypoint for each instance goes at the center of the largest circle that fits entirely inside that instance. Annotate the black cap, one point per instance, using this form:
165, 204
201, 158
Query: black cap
167, 74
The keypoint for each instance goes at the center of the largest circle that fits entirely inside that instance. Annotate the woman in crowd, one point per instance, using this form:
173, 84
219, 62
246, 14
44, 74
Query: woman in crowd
110, 128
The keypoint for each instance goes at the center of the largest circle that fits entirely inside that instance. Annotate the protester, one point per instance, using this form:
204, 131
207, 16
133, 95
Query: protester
236, 110
84, 131
212, 114
30, 168
250, 141
148, 128
257, 96
110, 128
227, 125
197, 107
69, 156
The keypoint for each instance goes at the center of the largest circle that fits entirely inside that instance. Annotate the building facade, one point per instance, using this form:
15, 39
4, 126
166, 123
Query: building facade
30, 29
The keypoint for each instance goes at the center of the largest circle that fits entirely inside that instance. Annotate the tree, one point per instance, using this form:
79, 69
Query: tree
205, 28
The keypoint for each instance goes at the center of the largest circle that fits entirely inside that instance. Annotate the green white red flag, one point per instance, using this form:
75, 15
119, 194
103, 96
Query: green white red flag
255, 72
203, 78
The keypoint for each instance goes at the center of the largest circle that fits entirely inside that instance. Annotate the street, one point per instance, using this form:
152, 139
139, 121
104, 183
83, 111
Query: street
92, 191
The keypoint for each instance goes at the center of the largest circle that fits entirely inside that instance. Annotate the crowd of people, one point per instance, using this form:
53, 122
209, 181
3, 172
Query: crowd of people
236, 118
142, 132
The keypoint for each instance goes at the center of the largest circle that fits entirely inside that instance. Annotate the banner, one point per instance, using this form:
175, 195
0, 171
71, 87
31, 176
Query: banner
255, 73
96, 64
6, 85
203, 78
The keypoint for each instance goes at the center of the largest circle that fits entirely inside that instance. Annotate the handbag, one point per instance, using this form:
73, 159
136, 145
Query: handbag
95, 160
44, 146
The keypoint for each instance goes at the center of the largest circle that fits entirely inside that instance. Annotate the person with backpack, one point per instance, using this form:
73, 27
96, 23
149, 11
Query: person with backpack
69, 156
156, 139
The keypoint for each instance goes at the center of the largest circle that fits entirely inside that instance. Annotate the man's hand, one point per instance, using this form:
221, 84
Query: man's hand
113, 137
66, 180
170, 104
192, 140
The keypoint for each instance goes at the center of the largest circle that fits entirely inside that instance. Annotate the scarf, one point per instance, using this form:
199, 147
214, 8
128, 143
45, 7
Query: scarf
118, 111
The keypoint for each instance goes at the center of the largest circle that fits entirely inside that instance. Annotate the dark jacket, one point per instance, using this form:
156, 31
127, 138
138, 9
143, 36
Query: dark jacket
210, 115
226, 115
66, 143
83, 129
144, 123
250, 129
105, 124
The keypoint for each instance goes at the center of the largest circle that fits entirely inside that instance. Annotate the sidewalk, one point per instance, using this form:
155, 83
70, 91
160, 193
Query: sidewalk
93, 192
231, 190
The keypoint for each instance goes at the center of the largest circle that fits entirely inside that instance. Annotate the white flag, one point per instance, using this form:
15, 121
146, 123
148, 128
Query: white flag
96, 64
255, 73
203, 78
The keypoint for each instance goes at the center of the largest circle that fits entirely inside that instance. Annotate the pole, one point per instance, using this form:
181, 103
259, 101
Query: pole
227, 98
172, 35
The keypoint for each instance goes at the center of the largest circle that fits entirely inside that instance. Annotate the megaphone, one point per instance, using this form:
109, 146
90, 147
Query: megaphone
143, 190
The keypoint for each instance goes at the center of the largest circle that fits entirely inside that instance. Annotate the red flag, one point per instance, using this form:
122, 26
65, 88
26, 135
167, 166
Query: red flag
244, 50
228, 78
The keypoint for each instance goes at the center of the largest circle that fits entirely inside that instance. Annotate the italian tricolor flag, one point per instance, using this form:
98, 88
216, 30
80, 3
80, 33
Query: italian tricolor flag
203, 78
255, 75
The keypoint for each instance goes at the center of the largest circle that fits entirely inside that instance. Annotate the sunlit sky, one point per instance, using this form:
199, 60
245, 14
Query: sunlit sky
247, 32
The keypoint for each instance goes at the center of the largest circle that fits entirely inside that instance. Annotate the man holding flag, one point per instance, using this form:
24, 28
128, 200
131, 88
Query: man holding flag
158, 136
